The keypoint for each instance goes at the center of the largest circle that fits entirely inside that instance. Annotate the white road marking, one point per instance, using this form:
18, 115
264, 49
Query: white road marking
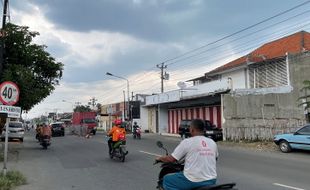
149, 153
286, 186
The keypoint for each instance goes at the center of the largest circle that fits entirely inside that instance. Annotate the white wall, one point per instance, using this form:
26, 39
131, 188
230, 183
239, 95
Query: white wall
238, 78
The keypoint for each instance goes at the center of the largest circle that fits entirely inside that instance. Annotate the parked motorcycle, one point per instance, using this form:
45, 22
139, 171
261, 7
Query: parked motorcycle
119, 150
45, 142
174, 167
137, 133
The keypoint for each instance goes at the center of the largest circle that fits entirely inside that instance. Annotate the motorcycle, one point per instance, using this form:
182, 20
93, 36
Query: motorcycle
137, 133
45, 142
167, 168
119, 150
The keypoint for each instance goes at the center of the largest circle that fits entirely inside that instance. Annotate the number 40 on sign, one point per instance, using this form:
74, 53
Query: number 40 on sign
9, 93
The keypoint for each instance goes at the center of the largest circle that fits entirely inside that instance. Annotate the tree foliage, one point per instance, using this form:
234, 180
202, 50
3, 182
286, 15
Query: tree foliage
82, 108
29, 65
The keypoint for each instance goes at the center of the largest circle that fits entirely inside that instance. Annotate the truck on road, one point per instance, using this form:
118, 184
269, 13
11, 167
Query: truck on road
85, 119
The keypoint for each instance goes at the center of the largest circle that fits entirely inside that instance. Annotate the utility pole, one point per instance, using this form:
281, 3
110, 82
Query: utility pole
5, 14
92, 102
163, 75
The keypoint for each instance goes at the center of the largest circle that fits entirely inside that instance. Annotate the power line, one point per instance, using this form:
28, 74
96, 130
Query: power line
244, 36
242, 30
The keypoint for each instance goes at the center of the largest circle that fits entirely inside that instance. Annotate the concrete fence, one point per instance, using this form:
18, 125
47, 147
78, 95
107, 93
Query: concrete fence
257, 133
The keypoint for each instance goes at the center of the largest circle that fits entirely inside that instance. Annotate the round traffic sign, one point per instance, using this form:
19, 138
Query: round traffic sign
9, 93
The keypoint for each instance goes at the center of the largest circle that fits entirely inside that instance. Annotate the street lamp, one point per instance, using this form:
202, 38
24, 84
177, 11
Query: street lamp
110, 74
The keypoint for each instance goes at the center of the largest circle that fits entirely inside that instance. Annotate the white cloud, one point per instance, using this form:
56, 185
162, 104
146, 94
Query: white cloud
84, 50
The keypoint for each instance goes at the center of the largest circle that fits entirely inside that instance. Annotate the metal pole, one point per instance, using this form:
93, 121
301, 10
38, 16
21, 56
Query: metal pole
124, 105
162, 66
6, 146
128, 104
5, 9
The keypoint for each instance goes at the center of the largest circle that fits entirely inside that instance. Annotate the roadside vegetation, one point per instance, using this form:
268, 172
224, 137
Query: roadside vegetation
264, 146
11, 180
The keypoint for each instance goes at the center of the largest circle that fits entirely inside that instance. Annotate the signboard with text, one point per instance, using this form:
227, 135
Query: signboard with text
12, 111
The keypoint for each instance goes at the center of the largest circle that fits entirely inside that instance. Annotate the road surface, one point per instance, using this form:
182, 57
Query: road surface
76, 163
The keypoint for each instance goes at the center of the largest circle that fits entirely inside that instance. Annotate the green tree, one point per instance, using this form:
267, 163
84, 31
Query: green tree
29, 65
82, 108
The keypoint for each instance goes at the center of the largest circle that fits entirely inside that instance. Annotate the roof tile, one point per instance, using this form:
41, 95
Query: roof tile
294, 43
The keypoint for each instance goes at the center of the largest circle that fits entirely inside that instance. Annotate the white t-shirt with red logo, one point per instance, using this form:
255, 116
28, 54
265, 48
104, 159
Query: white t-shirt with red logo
200, 155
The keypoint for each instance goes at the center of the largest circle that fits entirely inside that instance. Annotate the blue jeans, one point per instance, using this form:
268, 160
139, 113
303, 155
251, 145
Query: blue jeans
177, 181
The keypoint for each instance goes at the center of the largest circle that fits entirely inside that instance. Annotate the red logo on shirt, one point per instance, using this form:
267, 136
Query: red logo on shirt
204, 144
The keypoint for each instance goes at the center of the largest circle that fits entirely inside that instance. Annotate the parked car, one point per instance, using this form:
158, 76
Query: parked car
298, 140
58, 129
211, 130
16, 131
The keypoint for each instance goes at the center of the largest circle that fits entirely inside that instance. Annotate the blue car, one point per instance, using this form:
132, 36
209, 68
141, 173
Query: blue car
298, 140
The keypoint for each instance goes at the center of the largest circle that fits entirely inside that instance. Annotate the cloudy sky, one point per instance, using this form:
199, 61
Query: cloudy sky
130, 37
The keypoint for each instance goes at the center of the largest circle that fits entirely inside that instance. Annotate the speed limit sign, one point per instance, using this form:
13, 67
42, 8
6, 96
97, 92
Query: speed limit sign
9, 93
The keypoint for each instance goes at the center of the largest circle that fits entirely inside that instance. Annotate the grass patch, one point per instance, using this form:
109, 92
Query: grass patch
11, 180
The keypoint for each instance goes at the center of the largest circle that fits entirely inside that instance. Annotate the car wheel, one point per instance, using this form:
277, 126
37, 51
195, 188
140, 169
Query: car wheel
21, 139
285, 146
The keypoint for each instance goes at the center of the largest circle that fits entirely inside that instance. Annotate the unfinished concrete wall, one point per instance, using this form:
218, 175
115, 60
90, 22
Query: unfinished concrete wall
259, 116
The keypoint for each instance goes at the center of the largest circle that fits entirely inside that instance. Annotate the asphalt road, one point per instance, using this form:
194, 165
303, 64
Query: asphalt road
76, 163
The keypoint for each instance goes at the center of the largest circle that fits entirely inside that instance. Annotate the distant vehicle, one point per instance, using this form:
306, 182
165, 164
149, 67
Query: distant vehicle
16, 131
58, 129
85, 118
298, 140
211, 130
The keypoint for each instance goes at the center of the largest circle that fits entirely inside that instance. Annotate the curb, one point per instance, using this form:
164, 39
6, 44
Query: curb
169, 135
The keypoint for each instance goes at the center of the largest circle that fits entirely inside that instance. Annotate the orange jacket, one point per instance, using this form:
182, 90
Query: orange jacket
46, 131
115, 132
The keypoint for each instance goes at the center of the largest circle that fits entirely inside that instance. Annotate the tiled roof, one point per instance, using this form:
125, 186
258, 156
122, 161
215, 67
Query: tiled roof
294, 43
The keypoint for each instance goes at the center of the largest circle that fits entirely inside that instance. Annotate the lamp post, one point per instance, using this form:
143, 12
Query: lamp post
110, 74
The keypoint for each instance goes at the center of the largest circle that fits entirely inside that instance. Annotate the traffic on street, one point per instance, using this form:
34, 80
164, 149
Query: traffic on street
73, 162
157, 94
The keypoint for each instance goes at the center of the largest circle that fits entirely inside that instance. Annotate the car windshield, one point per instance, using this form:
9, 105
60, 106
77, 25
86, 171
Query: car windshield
89, 120
57, 125
16, 125
304, 130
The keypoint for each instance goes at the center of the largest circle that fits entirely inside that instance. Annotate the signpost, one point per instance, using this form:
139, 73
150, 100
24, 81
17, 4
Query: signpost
9, 96
9, 93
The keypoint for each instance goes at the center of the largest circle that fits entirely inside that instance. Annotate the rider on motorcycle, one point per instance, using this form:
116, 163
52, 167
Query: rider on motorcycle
116, 131
38, 131
200, 154
134, 127
45, 131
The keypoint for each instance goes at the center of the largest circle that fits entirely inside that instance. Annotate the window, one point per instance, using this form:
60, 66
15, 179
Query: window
15, 125
304, 131
89, 120
268, 74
